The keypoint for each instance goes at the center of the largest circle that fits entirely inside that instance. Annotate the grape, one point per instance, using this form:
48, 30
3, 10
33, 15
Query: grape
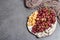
46, 19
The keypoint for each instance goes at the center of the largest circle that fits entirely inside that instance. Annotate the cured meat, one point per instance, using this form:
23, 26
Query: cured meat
32, 3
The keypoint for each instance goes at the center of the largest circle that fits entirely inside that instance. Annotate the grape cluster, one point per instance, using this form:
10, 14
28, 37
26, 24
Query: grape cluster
45, 18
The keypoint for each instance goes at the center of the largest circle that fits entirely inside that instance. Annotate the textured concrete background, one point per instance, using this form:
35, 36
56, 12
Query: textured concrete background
13, 16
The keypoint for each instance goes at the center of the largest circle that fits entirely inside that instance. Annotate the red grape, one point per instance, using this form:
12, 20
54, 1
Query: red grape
47, 17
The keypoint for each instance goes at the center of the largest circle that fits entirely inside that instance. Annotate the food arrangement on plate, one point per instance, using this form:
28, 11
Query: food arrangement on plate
42, 22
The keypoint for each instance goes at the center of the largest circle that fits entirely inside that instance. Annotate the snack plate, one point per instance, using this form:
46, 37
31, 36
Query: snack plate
13, 18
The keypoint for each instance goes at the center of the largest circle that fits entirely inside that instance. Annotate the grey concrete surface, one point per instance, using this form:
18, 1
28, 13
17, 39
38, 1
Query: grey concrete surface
13, 17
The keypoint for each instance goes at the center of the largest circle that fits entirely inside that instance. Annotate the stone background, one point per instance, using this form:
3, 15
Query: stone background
13, 17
